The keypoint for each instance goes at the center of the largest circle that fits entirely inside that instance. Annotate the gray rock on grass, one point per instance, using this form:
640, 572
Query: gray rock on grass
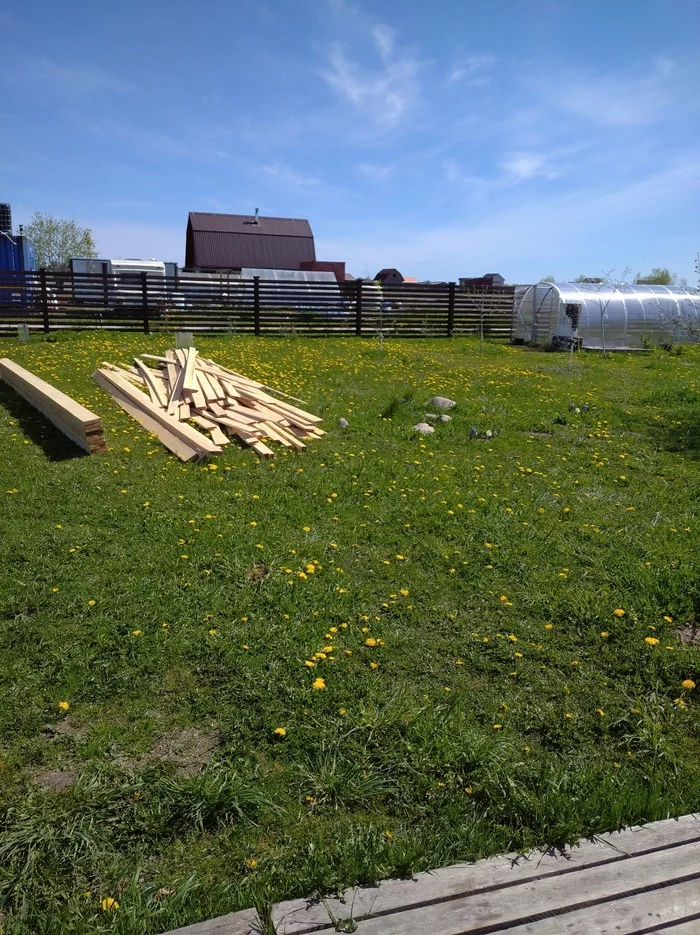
445, 418
442, 402
424, 428
343, 423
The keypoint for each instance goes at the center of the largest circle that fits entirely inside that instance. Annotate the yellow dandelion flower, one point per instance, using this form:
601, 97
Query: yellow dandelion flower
319, 684
549, 626
64, 705
109, 905
651, 641
91, 603
497, 726
600, 712
136, 632
618, 612
668, 619
688, 684
342, 712
374, 665
280, 731
370, 641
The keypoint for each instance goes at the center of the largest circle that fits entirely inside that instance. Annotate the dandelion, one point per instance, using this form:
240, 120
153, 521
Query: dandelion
319, 684
342, 712
309, 664
618, 612
388, 835
213, 631
600, 712
549, 626
668, 619
91, 603
468, 790
568, 716
374, 665
251, 863
403, 592
400, 558
109, 904
688, 684
604, 634
136, 632
280, 732
512, 638
651, 641
64, 705
497, 726
370, 641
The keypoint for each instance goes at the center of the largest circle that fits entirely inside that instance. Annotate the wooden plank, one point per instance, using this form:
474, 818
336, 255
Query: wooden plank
181, 429
570, 892
184, 451
205, 386
190, 380
287, 437
70, 417
183, 412
154, 386
269, 431
633, 914
173, 370
462, 880
236, 923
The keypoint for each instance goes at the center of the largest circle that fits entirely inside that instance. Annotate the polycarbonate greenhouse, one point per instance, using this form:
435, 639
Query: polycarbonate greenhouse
601, 314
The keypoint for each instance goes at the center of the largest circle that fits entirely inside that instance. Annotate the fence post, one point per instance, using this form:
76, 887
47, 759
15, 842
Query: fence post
105, 286
256, 306
450, 309
358, 310
144, 303
44, 300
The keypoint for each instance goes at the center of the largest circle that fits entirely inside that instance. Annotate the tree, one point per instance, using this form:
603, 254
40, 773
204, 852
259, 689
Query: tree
583, 278
57, 240
659, 276
548, 279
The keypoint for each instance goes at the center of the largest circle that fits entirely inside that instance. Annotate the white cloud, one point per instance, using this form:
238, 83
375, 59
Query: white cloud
280, 174
468, 68
387, 93
46, 78
523, 166
539, 231
374, 172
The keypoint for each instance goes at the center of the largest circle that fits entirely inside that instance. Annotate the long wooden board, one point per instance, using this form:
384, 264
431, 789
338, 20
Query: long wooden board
620, 883
174, 426
75, 421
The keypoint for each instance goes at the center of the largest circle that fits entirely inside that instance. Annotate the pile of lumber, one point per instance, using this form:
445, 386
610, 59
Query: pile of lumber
171, 395
75, 421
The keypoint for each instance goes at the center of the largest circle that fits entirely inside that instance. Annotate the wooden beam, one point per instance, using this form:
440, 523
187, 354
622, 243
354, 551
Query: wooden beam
75, 421
181, 429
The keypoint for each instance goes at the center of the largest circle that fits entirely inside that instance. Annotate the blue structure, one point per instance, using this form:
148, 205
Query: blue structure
16, 253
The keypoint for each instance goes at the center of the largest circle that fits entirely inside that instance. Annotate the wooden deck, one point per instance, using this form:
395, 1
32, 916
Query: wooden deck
641, 881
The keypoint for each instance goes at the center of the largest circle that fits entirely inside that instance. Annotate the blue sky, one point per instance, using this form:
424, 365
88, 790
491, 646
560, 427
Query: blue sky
448, 139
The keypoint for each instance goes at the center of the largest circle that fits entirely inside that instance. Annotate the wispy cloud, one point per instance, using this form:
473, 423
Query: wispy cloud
50, 79
614, 100
374, 172
283, 175
522, 166
386, 92
470, 69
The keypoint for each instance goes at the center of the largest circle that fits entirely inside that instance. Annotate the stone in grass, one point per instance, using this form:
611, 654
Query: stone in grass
430, 416
444, 418
442, 402
424, 428
343, 423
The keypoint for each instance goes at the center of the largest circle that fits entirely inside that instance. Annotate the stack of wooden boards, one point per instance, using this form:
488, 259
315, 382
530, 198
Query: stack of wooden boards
78, 423
184, 388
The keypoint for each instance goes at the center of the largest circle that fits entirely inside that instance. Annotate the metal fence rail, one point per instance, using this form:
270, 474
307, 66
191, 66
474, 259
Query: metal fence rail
50, 300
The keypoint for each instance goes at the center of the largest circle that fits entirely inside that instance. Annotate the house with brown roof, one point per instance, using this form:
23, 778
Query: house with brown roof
229, 242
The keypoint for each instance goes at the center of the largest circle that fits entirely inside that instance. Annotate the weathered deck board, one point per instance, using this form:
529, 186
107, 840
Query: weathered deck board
623, 883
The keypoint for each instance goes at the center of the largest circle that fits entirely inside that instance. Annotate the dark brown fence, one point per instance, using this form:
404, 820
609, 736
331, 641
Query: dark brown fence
56, 300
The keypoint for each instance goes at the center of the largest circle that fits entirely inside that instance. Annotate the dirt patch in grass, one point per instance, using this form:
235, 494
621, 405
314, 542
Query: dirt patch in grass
55, 780
188, 750
535, 434
257, 573
689, 633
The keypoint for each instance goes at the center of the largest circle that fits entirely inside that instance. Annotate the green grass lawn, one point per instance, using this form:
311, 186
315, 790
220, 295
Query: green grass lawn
233, 682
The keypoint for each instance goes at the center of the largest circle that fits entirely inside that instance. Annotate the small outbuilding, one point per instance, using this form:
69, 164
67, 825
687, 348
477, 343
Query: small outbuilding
604, 315
389, 276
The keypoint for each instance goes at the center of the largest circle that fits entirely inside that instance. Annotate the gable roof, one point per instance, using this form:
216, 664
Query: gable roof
245, 224
234, 241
